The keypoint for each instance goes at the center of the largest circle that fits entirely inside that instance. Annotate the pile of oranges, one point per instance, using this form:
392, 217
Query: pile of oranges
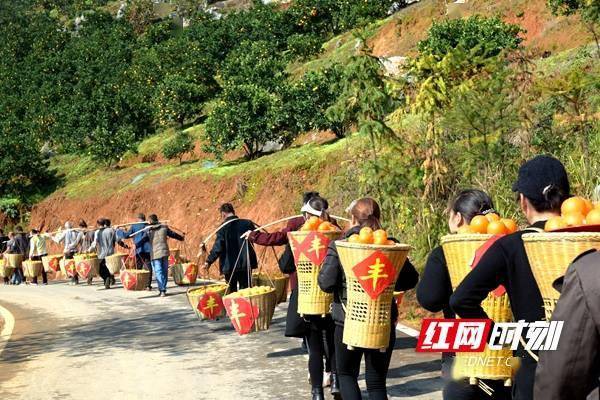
575, 211
317, 224
368, 236
490, 224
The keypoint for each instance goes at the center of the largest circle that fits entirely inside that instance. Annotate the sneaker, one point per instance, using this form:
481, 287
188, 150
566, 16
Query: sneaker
162, 294
149, 289
107, 283
33, 284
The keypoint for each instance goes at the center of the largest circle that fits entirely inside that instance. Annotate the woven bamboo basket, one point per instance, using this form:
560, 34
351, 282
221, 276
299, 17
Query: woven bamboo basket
459, 251
311, 299
142, 278
368, 320
32, 269
68, 267
176, 253
92, 260
6, 271
13, 260
550, 254
265, 302
52, 262
184, 274
279, 283
115, 262
194, 295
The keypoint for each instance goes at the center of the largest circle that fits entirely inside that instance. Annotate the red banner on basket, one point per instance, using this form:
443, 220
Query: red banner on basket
128, 279
172, 260
375, 273
296, 248
315, 246
241, 313
211, 305
500, 290
70, 268
54, 264
83, 269
191, 272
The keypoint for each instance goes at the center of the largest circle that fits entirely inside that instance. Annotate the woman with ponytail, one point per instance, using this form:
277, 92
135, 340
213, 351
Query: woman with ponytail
541, 187
364, 213
434, 291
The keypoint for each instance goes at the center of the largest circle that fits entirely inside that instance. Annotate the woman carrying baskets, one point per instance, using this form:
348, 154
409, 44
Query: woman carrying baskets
435, 288
365, 213
315, 330
17, 244
542, 186
37, 250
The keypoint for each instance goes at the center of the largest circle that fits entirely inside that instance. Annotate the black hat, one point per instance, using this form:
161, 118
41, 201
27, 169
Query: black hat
540, 174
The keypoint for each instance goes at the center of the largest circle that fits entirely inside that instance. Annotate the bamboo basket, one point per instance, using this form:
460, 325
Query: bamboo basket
184, 274
176, 253
550, 254
114, 263
49, 264
194, 295
459, 251
6, 271
66, 268
265, 302
368, 320
279, 283
13, 260
92, 260
311, 299
32, 269
142, 278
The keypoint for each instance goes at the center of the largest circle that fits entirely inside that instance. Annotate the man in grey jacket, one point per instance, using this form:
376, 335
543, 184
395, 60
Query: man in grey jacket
573, 369
158, 235
105, 240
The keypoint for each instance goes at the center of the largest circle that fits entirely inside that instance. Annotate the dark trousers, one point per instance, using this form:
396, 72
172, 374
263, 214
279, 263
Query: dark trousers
462, 390
238, 280
524, 379
142, 261
44, 274
319, 340
376, 367
103, 271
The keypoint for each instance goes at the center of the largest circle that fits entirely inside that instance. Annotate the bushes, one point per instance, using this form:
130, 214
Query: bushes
181, 144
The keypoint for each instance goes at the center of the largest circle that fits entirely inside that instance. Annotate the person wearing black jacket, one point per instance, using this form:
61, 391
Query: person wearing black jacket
435, 288
542, 186
365, 212
236, 256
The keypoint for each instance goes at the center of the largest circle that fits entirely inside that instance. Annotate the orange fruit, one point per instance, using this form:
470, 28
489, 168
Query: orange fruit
593, 217
380, 233
391, 242
366, 235
492, 217
314, 222
574, 205
574, 219
380, 240
305, 227
354, 239
555, 223
465, 230
589, 206
479, 224
497, 228
510, 224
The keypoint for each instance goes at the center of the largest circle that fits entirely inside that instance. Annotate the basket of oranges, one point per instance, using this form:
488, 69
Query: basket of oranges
115, 262
309, 246
134, 279
206, 300
371, 264
184, 274
460, 252
32, 269
251, 309
87, 265
278, 282
567, 236
52, 262
6, 270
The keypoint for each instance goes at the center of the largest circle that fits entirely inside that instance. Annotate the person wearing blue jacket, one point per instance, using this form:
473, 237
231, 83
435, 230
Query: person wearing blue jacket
142, 247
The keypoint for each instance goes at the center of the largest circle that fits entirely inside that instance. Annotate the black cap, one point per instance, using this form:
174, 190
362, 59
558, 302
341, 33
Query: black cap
539, 174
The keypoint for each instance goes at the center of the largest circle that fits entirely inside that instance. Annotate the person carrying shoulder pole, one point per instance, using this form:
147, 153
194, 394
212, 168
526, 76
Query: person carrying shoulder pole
142, 247
37, 250
105, 240
158, 236
70, 239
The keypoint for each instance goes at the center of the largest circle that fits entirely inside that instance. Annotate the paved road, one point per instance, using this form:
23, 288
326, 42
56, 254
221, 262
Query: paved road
89, 343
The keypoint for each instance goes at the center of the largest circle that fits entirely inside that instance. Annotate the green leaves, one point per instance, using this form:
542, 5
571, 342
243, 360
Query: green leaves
181, 144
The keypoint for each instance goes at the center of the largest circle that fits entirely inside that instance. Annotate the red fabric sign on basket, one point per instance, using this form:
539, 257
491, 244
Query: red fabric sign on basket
241, 313
315, 247
172, 260
190, 272
70, 268
211, 305
83, 269
296, 248
54, 264
128, 279
375, 273
500, 290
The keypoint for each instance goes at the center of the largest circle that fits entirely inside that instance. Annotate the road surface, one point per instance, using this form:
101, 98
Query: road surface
82, 342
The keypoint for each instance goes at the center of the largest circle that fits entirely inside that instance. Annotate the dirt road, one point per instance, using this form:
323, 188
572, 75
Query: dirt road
89, 343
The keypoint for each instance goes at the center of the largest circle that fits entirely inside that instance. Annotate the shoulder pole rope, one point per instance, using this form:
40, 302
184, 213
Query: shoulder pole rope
276, 222
341, 218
